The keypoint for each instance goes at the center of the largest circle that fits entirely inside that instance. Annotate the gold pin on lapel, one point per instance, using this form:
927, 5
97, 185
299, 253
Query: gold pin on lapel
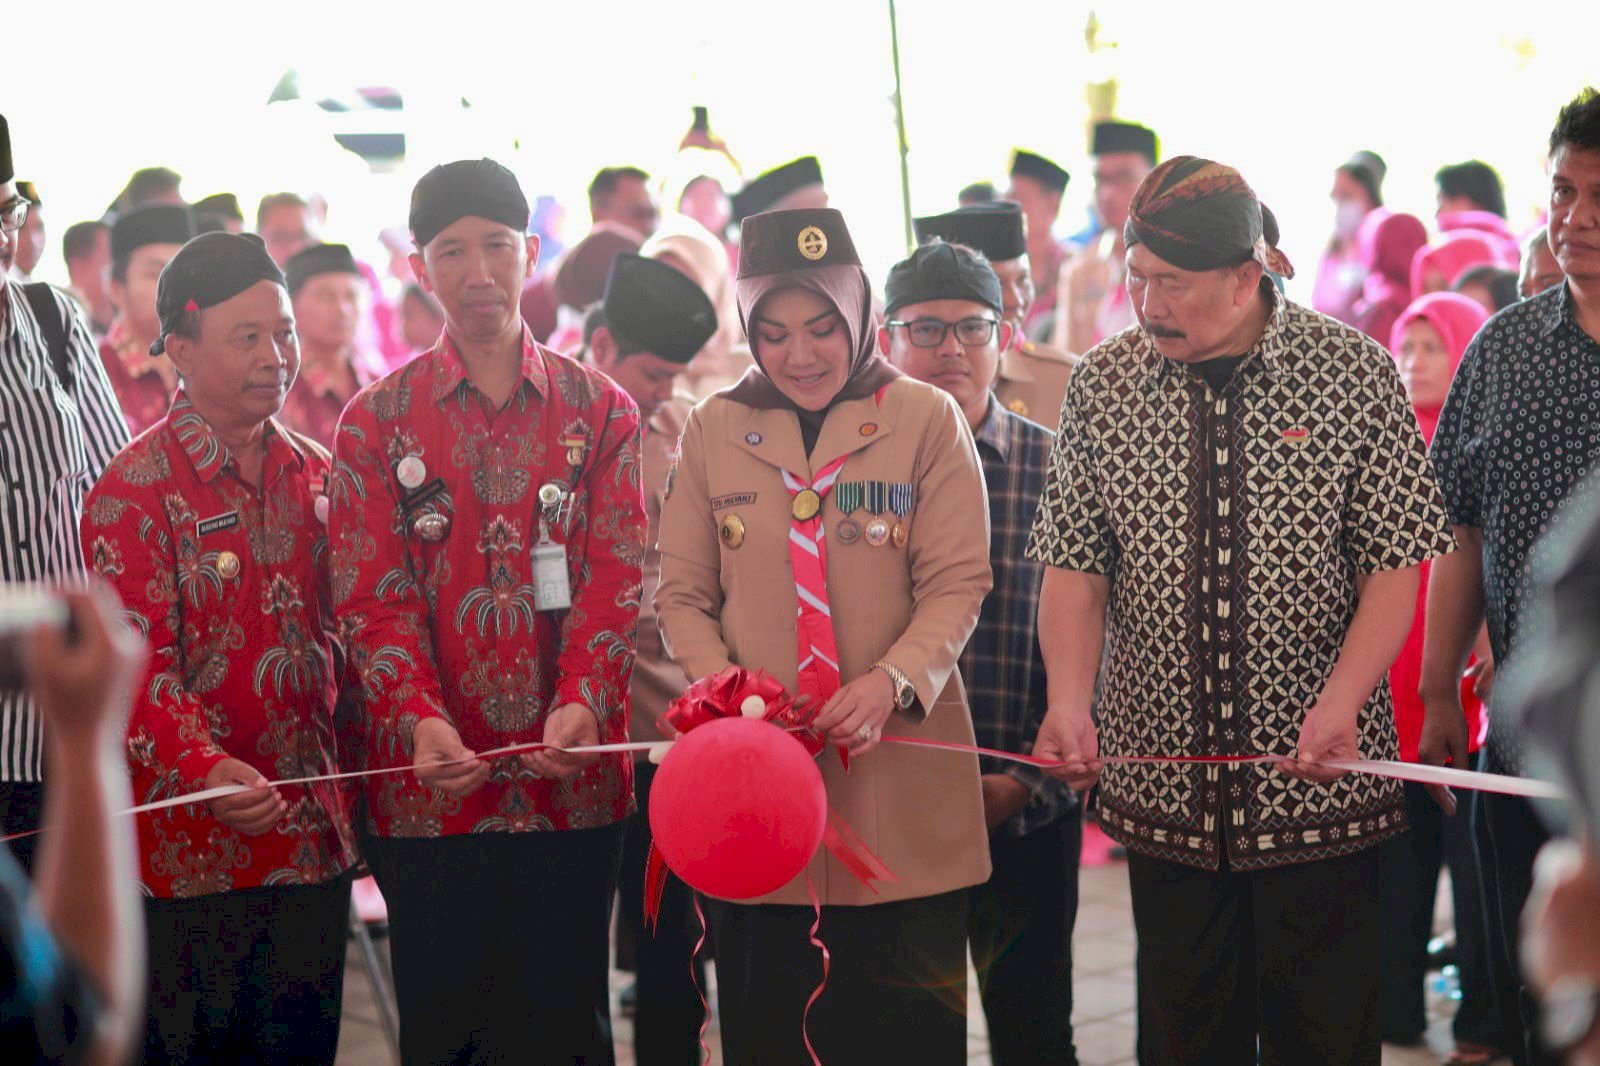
733, 531
228, 565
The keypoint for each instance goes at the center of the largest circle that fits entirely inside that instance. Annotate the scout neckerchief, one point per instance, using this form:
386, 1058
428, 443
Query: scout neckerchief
808, 557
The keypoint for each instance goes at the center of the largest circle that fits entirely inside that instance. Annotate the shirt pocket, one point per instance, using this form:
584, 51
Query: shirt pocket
1302, 492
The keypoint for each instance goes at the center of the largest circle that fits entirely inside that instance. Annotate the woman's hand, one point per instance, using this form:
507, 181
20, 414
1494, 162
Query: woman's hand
854, 716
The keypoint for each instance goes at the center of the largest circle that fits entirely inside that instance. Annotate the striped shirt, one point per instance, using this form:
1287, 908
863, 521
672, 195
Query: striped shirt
53, 445
1002, 665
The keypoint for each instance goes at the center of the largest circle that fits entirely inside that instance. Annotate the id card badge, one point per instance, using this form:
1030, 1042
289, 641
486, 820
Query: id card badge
551, 592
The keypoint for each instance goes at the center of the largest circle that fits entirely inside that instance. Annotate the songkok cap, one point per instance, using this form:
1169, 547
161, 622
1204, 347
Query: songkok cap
994, 229
28, 192
1030, 165
7, 171
452, 191
1112, 136
150, 224
768, 188
942, 271
653, 308
1200, 215
781, 242
221, 204
209, 270
318, 259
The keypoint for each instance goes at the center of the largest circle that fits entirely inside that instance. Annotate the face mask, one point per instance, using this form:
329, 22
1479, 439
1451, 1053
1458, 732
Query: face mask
1347, 216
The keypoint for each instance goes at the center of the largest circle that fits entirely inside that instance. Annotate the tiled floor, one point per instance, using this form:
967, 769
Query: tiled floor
1103, 994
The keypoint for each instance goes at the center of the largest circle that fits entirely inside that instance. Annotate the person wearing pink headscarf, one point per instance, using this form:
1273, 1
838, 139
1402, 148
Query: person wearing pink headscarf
1436, 268
1486, 224
1429, 338
1386, 242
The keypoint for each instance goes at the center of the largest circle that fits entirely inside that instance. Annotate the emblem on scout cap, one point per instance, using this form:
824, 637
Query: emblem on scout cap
803, 239
813, 243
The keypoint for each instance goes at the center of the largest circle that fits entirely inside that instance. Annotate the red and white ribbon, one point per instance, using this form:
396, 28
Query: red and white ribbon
817, 651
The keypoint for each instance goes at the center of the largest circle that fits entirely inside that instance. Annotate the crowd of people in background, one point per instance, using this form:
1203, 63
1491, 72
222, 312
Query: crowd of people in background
1034, 440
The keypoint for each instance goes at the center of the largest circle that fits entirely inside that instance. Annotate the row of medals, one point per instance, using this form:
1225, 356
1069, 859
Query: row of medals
807, 504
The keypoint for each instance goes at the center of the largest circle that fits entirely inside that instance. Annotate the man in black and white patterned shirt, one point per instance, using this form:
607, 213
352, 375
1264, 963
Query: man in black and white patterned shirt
1236, 508
59, 427
1520, 428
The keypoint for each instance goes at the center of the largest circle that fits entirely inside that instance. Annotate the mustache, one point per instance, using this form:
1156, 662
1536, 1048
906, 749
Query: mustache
1164, 332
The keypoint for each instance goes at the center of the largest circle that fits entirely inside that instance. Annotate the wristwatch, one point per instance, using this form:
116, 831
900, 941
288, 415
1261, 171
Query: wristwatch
905, 693
1568, 1012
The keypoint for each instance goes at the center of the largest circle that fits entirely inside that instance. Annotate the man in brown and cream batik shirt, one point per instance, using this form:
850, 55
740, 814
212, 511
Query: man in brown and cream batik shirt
1237, 504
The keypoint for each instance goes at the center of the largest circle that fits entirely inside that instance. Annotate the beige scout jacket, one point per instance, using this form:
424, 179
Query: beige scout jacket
657, 680
1032, 382
920, 811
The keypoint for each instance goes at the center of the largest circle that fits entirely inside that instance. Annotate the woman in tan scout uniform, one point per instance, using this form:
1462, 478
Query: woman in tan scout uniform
828, 503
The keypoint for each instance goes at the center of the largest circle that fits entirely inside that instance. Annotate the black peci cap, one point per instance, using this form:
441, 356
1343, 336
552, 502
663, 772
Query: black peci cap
651, 307
452, 191
761, 192
318, 259
1040, 169
150, 224
995, 229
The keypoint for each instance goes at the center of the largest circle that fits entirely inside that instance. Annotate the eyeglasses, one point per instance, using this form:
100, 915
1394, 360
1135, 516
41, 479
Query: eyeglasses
931, 332
13, 215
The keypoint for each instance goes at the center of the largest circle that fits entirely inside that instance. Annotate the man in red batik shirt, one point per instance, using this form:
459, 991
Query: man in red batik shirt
488, 533
143, 241
210, 526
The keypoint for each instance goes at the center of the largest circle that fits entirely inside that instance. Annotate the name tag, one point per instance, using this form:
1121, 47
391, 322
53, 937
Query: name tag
412, 500
551, 592
217, 524
733, 499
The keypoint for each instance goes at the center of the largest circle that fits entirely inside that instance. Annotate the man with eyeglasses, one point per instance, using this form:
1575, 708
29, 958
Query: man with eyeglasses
59, 427
947, 327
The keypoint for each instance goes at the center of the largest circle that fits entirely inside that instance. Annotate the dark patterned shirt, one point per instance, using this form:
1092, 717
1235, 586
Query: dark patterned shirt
1002, 665
230, 586
1233, 527
1518, 431
449, 625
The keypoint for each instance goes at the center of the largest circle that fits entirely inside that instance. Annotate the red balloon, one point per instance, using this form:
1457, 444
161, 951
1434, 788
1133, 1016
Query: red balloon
737, 808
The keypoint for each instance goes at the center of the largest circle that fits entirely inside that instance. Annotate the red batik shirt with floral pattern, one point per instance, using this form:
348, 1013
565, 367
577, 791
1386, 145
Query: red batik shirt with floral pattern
142, 382
230, 586
450, 627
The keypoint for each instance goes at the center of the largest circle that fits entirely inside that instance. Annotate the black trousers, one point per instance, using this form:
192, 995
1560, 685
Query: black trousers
1409, 887
499, 943
1020, 927
896, 992
253, 976
1513, 834
667, 1020
21, 803
1283, 962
